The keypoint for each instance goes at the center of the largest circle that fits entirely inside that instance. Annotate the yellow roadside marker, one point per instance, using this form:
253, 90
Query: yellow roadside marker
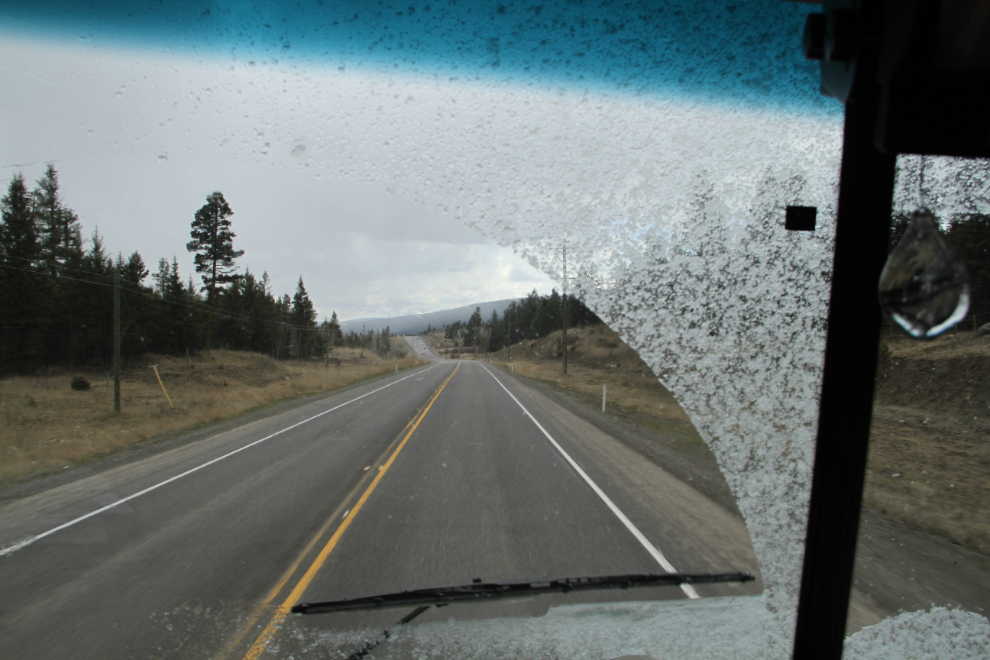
155, 367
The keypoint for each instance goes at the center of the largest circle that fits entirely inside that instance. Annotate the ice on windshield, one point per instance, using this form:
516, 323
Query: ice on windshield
678, 242
671, 208
948, 187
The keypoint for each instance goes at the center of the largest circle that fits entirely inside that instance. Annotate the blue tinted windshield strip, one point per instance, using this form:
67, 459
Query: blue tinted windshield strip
732, 53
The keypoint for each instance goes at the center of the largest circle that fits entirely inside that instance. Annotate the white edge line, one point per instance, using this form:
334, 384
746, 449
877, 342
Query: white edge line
31, 539
645, 542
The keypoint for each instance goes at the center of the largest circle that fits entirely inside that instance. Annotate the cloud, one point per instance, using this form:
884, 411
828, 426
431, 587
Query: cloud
150, 137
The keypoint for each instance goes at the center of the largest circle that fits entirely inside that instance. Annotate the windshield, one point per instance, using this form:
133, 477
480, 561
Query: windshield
624, 169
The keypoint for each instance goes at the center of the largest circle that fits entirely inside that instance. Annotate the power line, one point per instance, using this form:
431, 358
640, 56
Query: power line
203, 306
197, 306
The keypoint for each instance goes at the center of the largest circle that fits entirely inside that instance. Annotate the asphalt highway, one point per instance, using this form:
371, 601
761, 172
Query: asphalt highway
430, 477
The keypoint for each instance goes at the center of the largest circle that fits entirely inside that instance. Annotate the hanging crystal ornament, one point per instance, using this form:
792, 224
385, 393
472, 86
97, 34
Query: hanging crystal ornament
923, 286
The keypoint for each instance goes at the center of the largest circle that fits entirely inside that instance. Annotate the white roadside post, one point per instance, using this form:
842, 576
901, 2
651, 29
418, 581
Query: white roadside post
603, 398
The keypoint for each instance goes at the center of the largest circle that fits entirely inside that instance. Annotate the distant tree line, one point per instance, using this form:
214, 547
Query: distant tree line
56, 293
378, 341
532, 317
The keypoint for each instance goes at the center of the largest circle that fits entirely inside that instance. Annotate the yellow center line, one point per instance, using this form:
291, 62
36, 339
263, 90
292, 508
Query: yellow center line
333, 517
283, 610
261, 607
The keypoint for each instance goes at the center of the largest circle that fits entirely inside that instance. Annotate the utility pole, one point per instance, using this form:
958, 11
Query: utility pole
116, 338
564, 306
510, 324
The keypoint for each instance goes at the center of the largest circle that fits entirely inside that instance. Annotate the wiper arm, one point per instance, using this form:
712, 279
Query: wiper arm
478, 590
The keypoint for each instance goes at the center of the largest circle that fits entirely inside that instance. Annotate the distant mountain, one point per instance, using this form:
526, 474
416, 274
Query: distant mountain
410, 324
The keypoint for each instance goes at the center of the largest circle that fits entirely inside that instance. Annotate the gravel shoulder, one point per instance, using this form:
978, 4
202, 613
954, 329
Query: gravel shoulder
687, 459
898, 568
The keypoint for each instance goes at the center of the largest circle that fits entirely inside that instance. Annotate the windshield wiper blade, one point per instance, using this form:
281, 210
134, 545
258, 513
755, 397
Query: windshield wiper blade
478, 590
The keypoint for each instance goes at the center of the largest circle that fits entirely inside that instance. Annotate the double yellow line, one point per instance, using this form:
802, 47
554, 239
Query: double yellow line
259, 645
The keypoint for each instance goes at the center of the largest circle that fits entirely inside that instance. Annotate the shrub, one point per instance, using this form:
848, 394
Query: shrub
79, 383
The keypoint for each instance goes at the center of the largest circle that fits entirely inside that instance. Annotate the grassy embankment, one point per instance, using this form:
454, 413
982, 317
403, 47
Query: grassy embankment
929, 454
45, 425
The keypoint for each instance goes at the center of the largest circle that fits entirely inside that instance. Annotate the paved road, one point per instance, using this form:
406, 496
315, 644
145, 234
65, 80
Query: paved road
433, 476
420, 348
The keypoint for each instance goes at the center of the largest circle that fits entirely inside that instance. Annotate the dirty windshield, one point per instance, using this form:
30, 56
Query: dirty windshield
455, 329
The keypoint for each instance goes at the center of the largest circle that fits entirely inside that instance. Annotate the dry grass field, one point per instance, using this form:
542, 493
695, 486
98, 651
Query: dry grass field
929, 462
45, 425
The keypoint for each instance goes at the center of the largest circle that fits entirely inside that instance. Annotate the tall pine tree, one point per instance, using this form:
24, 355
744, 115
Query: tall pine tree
60, 232
303, 317
24, 291
213, 243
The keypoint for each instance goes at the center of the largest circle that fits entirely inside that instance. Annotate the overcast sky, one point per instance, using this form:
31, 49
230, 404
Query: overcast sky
136, 166
361, 251
307, 120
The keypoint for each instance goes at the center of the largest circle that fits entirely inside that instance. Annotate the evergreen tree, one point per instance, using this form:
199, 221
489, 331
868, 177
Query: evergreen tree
162, 276
171, 327
496, 332
135, 306
303, 317
213, 243
61, 235
133, 271
86, 308
19, 236
475, 321
511, 323
579, 314
528, 311
330, 335
473, 326
56, 299
334, 335
386, 341
548, 315
24, 294
60, 241
283, 340
454, 332
255, 301
303, 312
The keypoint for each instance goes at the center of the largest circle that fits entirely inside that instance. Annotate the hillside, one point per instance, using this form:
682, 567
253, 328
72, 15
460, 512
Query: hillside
411, 324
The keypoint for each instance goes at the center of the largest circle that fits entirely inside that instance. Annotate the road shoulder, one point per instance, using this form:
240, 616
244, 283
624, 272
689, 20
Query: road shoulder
691, 462
897, 568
